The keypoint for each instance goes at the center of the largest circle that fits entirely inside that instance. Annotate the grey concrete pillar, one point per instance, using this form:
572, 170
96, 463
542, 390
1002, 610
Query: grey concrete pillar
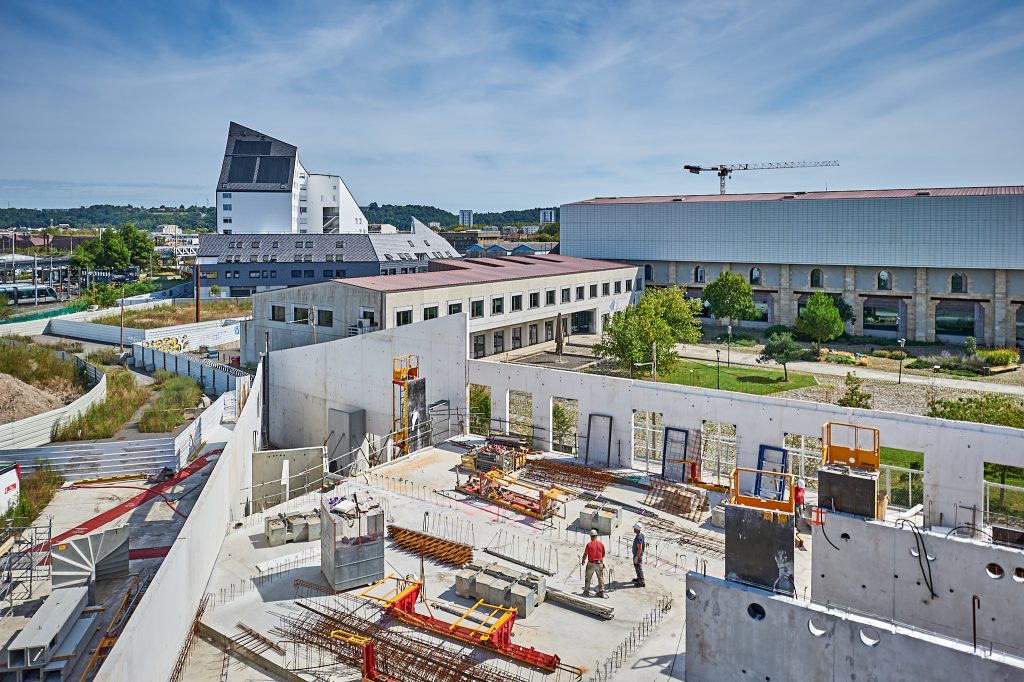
853, 300
672, 273
785, 313
1000, 312
924, 325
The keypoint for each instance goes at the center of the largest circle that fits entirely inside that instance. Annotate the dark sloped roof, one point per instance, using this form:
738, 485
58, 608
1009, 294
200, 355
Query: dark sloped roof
356, 248
254, 162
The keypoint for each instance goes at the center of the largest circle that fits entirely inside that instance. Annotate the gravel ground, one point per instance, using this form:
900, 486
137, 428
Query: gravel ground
885, 395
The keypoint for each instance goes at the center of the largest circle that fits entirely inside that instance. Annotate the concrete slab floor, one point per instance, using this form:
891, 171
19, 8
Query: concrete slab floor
418, 492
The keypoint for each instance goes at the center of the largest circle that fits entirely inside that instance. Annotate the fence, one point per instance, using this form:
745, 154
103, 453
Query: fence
216, 378
905, 487
77, 461
191, 439
36, 430
1004, 505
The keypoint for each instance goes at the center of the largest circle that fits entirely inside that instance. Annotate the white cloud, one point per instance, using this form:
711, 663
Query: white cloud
491, 106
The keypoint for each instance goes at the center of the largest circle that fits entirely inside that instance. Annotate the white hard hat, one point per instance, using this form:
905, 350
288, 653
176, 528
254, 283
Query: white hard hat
593, 532
638, 526
802, 483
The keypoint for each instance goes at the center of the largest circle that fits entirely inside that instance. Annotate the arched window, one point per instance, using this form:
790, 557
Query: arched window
698, 274
884, 280
958, 283
755, 275
649, 273
816, 278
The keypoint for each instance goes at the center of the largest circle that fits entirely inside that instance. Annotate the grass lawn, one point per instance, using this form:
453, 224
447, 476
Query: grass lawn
176, 395
908, 459
169, 315
107, 417
736, 378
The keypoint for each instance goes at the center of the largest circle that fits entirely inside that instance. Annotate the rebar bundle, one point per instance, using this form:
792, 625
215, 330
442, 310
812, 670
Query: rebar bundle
566, 474
676, 499
708, 544
431, 546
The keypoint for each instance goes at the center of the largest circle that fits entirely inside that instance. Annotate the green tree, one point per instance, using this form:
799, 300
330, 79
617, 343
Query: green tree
562, 423
215, 290
845, 309
140, 246
479, 409
681, 313
855, 395
730, 297
114, 252
781, 348
86, 254
5, 307
820, 319
984, 408
631, 334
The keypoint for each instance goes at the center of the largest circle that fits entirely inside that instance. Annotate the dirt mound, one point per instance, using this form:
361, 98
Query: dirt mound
19, 400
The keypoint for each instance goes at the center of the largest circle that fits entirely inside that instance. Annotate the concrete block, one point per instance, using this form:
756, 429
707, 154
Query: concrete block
297, 528
465, 584
312, 527
275, 531
718, 516
606, 521
847, 491
522, 598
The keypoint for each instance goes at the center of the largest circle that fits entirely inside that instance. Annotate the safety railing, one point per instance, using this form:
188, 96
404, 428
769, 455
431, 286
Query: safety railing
850, 445
746, 485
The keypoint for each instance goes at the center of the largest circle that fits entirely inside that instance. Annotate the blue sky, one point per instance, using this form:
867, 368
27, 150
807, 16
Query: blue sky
508, 105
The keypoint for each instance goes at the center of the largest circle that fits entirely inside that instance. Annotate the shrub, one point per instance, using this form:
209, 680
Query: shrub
67, 346
970, 346
37, 489
744, 341
177, 394
1000, 356
840, 359
107, 417
777, 329
103, 356
39, 366
855, 396
890, 354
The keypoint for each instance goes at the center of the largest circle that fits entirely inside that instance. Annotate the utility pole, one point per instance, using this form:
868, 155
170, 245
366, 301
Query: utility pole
35, 283
122, 319
195, 285
902, 342
728, 347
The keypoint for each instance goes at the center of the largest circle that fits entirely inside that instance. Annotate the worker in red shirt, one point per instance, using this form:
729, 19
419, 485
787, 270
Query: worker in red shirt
593, 557
799, 495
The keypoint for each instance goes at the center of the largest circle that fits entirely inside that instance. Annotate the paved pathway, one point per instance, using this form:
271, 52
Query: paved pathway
708, 354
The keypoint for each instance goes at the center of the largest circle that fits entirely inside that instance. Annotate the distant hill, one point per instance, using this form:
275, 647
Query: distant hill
400, 216
201, 218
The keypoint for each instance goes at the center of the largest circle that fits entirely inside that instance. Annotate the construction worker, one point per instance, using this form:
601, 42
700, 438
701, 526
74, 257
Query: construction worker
593, 557
800, 496
639, 547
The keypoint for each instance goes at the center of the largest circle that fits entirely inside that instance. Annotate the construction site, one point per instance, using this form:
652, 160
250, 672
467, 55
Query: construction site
351, 527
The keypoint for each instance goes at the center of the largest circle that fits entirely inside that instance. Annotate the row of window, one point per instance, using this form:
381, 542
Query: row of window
476, 307
957, 283
498, 338
275, 244
272, 274
300, 315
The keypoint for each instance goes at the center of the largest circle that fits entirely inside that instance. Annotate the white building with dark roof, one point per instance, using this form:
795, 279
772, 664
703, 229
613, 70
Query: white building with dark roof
264, 188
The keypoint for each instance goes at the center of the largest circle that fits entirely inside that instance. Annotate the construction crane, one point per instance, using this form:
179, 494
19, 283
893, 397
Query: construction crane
726, 171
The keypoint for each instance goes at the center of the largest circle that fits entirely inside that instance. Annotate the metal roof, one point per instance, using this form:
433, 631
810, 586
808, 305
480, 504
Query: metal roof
447, 273
355, 248
257, 162
422, 240
806, 196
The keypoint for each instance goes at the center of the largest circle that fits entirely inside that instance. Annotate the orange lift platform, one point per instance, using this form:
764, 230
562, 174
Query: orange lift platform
850, 445
493, 633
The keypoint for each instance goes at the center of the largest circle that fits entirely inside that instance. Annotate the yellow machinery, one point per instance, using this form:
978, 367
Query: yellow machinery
779, 498
850, 445
405, 368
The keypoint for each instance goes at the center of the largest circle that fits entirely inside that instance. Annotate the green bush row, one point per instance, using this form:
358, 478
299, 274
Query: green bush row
1000, 356
890, 354
840, 359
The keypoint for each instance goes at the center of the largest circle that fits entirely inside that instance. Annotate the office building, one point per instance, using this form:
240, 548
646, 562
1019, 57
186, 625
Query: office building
466, 218
547, 215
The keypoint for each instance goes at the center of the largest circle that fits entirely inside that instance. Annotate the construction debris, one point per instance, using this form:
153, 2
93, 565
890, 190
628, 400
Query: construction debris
431, 546
501, 452
567, 474
495, 584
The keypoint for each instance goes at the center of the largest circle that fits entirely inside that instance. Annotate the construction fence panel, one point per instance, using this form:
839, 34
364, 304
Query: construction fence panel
165, 613
90, 331
77, 461
184, 337
188, 442
216, 378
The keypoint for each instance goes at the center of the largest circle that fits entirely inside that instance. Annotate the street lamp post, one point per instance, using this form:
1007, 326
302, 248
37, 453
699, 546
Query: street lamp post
902, 342
728, 347
718, 364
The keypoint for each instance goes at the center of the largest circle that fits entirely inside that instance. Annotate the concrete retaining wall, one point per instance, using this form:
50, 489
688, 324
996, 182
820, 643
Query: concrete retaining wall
955, 452
150, 644
739, 633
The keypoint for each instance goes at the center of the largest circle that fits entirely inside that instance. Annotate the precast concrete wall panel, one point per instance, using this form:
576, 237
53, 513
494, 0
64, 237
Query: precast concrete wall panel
739, 633
955, 452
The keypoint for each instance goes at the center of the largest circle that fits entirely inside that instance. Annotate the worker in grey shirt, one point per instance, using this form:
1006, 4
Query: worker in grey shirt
639, 547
